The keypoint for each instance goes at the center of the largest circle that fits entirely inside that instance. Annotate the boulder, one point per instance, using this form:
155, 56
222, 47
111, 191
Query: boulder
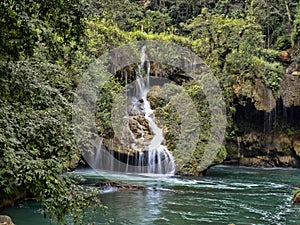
296, 144
5, 220
135, 137
290, 90
119, 185
292, 68
258, 92
296, 197
263, 97
286, 55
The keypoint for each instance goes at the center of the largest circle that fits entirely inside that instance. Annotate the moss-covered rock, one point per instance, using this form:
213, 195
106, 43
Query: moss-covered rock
170, 120
5, 220
119, 185
296, 197
290, 90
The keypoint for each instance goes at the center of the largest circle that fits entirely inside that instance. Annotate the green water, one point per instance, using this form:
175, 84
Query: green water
242, 196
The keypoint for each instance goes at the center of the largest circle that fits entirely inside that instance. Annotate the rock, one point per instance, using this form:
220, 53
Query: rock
290, 90
259, 161
268, 150
258, 92
263, 97
243, 88
296, 144
296, 73
296, 198
120, 185
268, 162
285, 56
293, 67
130, 139
5, 220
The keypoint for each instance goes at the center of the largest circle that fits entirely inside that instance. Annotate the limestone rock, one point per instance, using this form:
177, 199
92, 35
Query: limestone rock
293, 67
268, 150
285, 56
296, 198
296, 144
263, 97
119, 185
290, 90
5, 220
267, 162
134, 137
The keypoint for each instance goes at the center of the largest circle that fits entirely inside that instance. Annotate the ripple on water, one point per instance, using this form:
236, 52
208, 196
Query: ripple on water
226, 195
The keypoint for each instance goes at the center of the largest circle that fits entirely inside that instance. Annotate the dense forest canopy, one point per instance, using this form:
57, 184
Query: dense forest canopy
46, 45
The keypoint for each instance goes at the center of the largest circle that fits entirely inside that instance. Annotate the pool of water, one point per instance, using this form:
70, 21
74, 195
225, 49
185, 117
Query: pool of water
238, 195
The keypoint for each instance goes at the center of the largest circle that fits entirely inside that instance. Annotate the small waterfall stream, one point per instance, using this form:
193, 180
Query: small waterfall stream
149, 153
160, 160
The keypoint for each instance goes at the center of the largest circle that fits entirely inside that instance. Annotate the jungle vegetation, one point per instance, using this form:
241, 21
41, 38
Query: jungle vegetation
45, 47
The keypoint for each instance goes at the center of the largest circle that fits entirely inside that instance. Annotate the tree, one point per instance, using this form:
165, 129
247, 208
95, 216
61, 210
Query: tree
25, 24
276, 19
36, 135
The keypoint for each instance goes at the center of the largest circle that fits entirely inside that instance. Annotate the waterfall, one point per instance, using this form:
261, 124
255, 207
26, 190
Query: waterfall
159, 160
147, 152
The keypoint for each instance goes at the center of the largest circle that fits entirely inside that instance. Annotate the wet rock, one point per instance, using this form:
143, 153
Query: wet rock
258, 92
290, 90
133, 138
263, 97
296, 145
285, 56
259, 149
292, 68
296, 197
267, 161
119, 185
5, 220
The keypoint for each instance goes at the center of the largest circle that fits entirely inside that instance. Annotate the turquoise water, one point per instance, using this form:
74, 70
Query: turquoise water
242, 196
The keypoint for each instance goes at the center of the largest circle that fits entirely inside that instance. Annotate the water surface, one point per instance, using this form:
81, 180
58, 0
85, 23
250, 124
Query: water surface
242, 196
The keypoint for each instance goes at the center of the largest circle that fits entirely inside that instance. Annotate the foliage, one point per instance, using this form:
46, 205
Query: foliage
36, 138
26, 24
295, 35
105, 101
239, 40
275, 18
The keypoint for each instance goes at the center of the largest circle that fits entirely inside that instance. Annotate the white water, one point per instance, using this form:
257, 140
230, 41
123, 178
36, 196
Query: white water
160, 160
151, 158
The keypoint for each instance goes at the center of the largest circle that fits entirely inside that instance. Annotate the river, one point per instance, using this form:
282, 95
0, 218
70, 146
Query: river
243, 196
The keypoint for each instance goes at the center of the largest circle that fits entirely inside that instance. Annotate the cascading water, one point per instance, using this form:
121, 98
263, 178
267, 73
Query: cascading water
159, 159
146, 151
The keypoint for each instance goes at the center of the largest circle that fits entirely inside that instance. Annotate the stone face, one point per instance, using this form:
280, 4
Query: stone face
296, 198
290, 90
119, 185
5, 220
263, 97
292, 68
259, 149
284, 56
258, 92
266, 162
296, 145
134, 137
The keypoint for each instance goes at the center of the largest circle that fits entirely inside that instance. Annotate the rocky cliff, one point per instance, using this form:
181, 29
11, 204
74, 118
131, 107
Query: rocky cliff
267, 125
